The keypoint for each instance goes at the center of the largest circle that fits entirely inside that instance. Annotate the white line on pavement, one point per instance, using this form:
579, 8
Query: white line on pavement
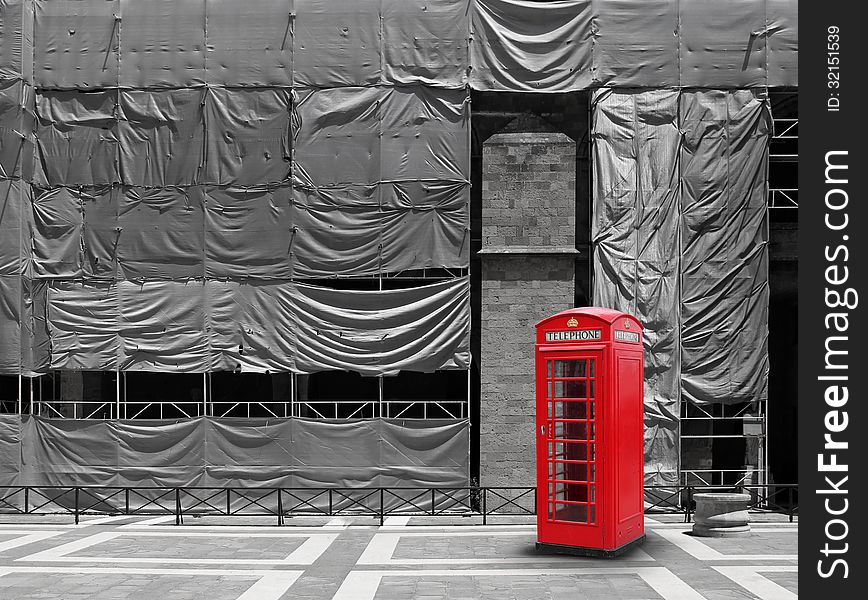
750, 579
149, 522
271, 586
27, 537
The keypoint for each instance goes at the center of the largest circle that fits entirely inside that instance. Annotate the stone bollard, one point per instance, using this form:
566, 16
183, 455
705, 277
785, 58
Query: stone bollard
721, 514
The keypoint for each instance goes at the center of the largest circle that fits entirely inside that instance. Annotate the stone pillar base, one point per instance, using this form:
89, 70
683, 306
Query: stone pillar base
721, 515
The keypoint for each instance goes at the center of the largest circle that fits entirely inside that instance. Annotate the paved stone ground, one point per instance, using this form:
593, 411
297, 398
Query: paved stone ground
422, 558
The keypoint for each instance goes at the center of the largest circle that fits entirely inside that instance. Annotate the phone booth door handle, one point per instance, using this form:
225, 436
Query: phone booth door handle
542, 430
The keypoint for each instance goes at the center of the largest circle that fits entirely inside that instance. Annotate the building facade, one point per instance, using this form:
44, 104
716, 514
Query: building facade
346, 217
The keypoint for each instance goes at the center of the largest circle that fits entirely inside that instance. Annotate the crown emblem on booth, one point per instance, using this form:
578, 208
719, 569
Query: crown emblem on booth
572, 322
626, 324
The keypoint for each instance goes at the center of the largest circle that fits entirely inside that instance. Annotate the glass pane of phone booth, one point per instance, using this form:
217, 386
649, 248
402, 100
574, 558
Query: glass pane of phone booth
571, 439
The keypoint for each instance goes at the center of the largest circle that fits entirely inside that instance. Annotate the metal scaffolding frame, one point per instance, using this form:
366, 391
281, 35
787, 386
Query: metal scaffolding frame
41, 397
784, 148
703, 422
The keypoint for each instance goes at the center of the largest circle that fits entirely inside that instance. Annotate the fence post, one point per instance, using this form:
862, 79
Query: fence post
330, 502
178, 519
484, 506
76, 505
228, 502
127, 501
689, 507
279, 507
433, 500
790, 502
382, 508
26, 500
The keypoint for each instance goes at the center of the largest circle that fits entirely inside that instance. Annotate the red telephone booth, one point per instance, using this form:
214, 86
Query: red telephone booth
589, 429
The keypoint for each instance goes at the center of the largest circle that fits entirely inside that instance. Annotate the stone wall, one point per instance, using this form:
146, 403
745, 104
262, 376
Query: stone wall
528, 272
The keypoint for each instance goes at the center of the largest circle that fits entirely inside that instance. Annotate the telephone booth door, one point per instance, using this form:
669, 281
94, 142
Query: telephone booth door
569, 389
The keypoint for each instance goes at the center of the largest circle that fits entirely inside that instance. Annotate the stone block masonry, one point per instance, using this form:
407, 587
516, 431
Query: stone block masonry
528, 273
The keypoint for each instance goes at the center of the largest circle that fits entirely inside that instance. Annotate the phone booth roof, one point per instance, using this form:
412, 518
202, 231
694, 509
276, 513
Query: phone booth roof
608, 320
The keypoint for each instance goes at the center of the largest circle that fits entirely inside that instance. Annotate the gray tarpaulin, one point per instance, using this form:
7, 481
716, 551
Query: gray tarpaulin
170, 170
724, 242
208, 143
196, 326
522, 45
525, 45
680, 228
232, 452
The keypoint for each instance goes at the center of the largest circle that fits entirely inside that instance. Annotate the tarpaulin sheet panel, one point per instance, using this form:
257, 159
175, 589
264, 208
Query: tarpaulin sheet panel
10, 324
14, 34
521, 45
75, 232
10, 445
250, 326
16, 127
249, 232
162, 43
154, 453
421, 238
76, 43
337, 43
83, 325
209, 452
425, 134
725, 246
162, 326
160, 233
782, 42
59, 451
637, 238
14, 202
100, 232
56, 234
337, 241
233, 443
337, 136
723, 43
332, 461
35, 340
426, 42
247, 136
366, 135
375, 333
77, 139
249, 43
635, 42
161, 135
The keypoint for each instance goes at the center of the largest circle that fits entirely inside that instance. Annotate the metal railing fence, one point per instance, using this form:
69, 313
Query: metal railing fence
378, 502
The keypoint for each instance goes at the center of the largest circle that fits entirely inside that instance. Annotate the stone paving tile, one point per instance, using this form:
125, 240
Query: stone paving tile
522, 587
191, 548
755, 542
